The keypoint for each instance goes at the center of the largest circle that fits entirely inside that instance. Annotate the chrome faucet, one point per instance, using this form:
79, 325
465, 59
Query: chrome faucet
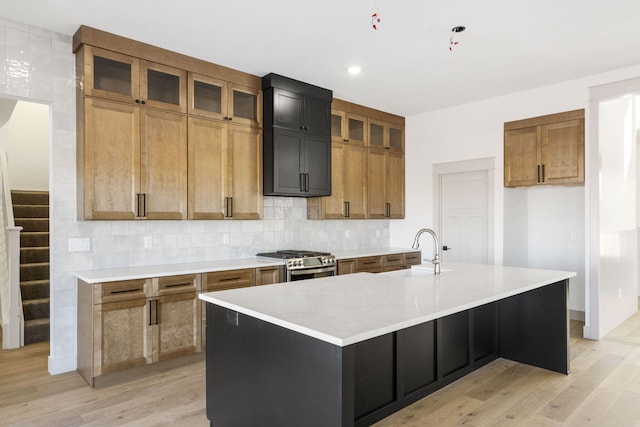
436, 246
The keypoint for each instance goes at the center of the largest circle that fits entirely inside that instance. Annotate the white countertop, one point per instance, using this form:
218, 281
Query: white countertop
144, 272
344, 310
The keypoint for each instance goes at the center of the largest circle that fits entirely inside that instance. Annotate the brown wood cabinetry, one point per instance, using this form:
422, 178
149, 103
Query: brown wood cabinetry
379, 263
367, 165
131, 323
268, 275
545, 150
225, 170
133, 101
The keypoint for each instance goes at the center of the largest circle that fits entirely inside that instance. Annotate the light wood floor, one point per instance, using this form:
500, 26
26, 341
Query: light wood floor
603, 389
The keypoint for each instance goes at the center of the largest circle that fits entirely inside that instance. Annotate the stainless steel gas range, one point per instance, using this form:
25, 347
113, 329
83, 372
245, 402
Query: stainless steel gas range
300, 265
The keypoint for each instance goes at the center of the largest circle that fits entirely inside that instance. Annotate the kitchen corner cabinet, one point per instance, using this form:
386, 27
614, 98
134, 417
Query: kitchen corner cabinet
225, 170
297, 138
131, 323
545, 150
348, 171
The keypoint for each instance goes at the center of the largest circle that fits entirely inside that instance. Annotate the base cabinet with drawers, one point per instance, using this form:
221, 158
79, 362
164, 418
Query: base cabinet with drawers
130, 323
379, 263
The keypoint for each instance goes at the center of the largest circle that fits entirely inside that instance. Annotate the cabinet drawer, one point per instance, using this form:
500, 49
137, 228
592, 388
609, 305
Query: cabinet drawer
371, 264
231, 279
177, 284
124, 290
394, 260
268, 275
412, 258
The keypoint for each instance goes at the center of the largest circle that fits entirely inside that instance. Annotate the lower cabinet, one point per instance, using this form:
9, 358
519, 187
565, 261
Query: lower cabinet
130, 323
379, 263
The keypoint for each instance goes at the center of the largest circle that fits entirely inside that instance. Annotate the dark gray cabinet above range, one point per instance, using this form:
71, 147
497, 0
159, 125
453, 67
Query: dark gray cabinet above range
297, 138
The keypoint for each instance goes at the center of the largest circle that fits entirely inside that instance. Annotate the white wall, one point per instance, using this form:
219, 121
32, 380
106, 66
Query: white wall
28, 138
476, 131
40, 66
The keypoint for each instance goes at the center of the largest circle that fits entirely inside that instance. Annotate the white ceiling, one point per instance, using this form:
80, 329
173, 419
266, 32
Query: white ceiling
407, 68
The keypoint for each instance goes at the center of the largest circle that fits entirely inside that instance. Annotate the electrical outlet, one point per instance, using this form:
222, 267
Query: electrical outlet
573, 236
81, 244
148, 242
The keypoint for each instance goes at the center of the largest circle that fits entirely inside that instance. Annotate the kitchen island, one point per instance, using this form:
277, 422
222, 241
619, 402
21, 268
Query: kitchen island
350, 350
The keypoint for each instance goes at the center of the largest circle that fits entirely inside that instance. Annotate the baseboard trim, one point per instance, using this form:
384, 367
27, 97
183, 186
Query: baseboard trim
576, 315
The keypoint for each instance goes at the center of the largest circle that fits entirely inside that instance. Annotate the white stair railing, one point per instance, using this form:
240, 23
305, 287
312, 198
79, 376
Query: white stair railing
10, 295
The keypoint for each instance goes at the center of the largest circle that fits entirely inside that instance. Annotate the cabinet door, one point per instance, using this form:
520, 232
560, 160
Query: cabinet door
346, 266
164, 164
245, 105
394, 187
207, 96
287, 162
396, 139
268, 275
230, 279
562, 152
317, 161
338, 126
245, 172
122, 336
288, 110
163, 87
333, 206
356, 130
355, 181
110, 75
109, 160
178, 325
378, 136
521, 156
317, 115
207, 169
376, 182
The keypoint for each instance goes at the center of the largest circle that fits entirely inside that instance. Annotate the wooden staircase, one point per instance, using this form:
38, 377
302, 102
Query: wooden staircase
31, 212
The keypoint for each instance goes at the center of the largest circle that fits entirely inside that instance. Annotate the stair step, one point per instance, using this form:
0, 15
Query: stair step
34, 289
34, 271
30, 211
35, 331
34, 239
19, 197
32, 224
34, 254
36, 309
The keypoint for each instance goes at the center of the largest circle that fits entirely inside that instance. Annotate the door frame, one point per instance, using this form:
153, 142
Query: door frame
487, 164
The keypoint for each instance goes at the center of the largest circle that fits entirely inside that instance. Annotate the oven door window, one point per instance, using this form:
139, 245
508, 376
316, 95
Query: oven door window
312, 273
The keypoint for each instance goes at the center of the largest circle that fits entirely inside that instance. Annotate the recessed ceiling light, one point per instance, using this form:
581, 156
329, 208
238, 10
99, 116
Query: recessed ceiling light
458, 29
354, 70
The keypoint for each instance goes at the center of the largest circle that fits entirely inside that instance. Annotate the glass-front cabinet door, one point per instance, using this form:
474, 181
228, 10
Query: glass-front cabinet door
110, 75
163, 87
356, 130
207, 97
396, 139
245, 105
338, 132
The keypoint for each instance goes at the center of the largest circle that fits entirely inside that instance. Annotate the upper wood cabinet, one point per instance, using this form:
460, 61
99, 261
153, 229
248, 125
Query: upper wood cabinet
385, 184
221, 100
133, 133
132, 162
545, 150
225, 170
120, 77
386, 136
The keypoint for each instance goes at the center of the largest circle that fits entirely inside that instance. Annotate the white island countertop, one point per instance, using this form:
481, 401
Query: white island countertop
344, 310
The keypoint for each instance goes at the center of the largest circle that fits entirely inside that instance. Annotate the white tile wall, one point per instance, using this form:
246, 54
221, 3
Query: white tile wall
36, 64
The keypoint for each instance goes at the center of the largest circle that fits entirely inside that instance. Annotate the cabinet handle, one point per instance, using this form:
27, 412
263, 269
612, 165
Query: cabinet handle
370, 262
345, 140
387, 212
229, 279
157, 316
138, 210
230, 118
306, 182
538, 173
230, 207
542, 173
348, 209
124, 291
137, 101
175, 285
150, 313
301, 182
144, 204
228, 202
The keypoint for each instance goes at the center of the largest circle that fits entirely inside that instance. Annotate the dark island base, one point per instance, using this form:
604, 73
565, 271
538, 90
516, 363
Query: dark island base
263, 374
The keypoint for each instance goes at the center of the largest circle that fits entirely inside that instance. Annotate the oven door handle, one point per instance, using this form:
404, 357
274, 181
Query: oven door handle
312, 270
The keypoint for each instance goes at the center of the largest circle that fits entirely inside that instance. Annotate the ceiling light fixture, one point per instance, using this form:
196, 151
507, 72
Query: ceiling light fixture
354, 70
458, 29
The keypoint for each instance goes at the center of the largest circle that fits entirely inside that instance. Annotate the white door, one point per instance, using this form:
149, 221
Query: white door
464, 217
